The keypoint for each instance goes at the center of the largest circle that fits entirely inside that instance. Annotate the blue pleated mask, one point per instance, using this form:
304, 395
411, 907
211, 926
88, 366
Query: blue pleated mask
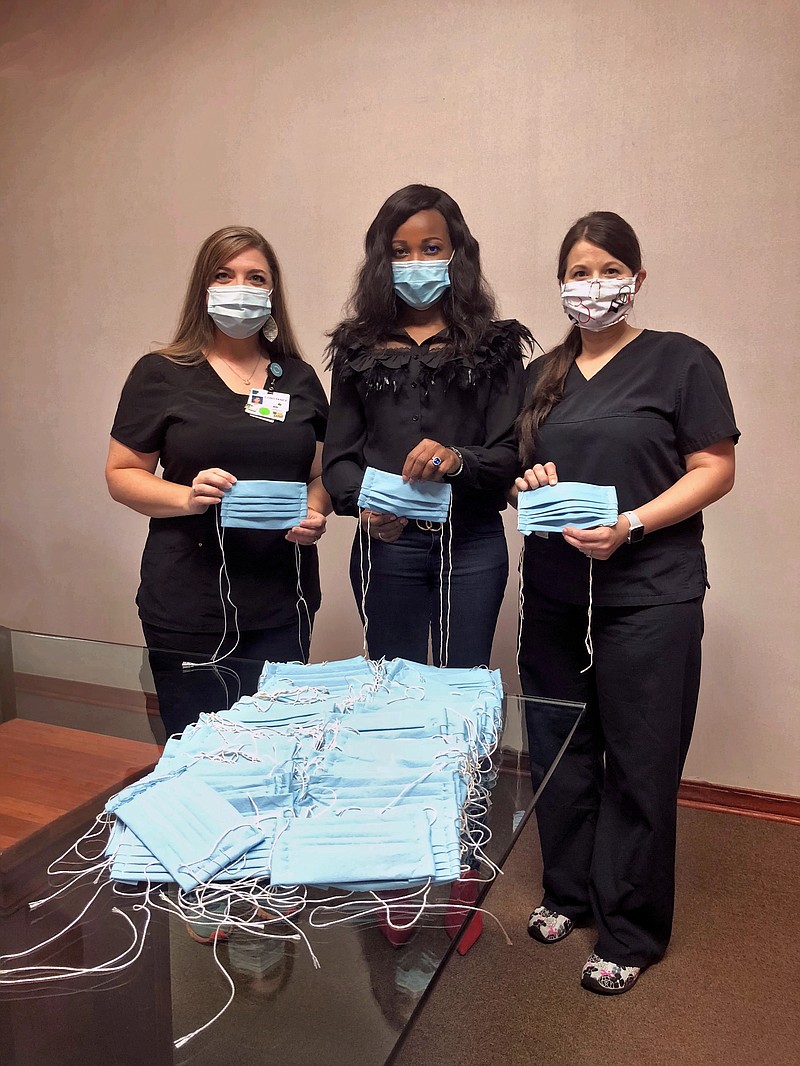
421, 283
568, 503
265, 505
427, 501
354, 846
192, 830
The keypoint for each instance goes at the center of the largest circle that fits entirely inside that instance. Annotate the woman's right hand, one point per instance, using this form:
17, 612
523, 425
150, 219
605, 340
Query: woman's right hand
208, 488
385, 527
537, 476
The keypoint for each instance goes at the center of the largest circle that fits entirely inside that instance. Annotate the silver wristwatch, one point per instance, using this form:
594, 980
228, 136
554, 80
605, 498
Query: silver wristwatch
636, 532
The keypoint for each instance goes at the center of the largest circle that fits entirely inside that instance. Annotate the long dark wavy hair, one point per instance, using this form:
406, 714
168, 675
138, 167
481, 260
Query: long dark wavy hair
468, 305
615, 236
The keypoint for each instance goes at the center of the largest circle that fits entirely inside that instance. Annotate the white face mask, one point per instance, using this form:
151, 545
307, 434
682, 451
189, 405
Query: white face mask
239, 310
597, 303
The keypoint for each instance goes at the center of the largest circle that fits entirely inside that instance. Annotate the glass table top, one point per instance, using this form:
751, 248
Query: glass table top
352, 1008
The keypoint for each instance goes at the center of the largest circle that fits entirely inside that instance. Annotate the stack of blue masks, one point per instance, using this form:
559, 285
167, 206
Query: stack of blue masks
352, 775
333, 677
569, 503
265, 505
426, 501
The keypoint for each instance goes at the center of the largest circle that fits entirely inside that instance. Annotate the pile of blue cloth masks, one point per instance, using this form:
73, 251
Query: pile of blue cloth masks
354, 775
426, 501
550, 508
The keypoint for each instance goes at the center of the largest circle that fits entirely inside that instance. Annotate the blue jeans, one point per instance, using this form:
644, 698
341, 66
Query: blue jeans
403, 605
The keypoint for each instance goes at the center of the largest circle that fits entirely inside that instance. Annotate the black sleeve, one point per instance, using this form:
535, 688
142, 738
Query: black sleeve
140, 420
704, 413
495, 464
343, 455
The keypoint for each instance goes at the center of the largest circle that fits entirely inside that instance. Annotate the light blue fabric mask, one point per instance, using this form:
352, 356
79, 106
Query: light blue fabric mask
426, 501
265, 505
335, 677
132, 862
421, 283
192, 831
569, 503
354, 846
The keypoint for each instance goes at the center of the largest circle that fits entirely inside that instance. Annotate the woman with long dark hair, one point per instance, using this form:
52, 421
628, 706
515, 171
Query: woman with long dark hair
648, 413
187, 407
427, 385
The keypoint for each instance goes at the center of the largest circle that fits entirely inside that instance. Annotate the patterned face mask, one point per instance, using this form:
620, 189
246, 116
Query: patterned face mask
550, 508
265, 505
597, 303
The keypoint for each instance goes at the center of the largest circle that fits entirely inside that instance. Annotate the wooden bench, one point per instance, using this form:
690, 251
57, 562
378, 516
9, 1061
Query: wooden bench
53, 781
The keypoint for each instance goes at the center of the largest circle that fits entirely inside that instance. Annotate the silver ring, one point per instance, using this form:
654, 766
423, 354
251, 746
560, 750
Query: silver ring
436, 461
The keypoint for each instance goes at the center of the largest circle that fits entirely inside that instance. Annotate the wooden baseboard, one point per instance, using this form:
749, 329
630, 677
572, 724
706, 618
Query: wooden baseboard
704, 796
729, 799
88, 694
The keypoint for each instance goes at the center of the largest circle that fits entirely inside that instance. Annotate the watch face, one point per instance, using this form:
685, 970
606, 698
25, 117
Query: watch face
637, 534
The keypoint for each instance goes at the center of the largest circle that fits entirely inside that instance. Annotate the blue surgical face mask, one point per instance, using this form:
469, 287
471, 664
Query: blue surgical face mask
239, 310
420, 283
265, 505
427, 501
568, 503
189, 828
354, 846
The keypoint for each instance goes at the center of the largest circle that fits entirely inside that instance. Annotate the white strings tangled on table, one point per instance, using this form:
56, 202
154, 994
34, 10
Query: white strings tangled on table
339, 792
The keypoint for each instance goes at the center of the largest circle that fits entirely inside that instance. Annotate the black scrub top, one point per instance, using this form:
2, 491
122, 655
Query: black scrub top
385, 400
662, 397
194, 421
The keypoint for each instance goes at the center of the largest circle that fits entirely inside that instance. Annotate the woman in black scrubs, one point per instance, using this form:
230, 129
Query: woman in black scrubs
428, 385
184, 407
649, 413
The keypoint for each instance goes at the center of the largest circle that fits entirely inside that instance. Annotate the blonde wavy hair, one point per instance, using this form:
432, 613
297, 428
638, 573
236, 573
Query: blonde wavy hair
194, 336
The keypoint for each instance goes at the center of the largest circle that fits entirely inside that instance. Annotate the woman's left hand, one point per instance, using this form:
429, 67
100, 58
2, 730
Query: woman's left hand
310, 529
600, 542
420, 464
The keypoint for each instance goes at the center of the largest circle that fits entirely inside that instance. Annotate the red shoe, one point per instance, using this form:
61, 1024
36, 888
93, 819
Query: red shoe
395, 921
396, 937
464, 891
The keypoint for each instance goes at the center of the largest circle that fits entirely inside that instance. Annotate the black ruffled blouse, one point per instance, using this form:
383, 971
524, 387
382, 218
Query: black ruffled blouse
386, 400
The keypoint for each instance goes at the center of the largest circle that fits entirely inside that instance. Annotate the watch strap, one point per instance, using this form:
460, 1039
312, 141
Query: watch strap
636, 531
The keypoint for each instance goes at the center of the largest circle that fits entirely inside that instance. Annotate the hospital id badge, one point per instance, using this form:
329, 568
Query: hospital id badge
269, 406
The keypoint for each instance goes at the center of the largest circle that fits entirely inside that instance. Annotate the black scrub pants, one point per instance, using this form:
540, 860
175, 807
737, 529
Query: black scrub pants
184, 694
607, 818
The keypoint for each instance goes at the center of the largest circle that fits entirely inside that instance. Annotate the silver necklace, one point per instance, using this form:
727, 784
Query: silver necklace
246, 380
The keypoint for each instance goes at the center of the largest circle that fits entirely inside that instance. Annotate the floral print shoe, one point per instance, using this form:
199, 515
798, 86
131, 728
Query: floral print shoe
548, 926
608, 978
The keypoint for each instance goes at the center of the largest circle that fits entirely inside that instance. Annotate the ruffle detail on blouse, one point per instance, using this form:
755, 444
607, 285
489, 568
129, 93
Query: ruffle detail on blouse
386, 368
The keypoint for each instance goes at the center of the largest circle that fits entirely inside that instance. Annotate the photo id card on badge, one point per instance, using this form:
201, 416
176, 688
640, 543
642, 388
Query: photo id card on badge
269, 406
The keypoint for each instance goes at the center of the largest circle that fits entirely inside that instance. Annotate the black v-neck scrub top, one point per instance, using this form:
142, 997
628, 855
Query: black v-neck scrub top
194, 421
662, 397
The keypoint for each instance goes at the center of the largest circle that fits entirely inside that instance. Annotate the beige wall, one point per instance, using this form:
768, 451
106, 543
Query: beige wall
133, 130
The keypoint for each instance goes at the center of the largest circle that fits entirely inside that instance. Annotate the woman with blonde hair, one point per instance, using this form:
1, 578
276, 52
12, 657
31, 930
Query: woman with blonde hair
190, 408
